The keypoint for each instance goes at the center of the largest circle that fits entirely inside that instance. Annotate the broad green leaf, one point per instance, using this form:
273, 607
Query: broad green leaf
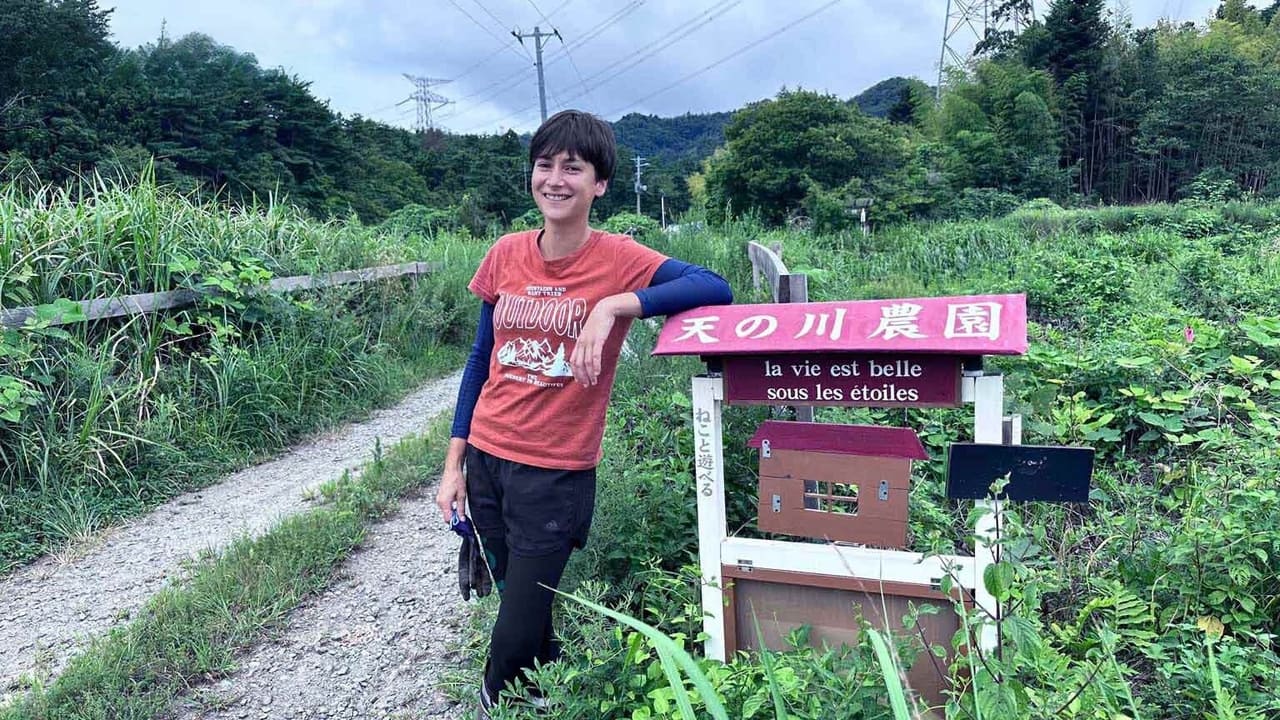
671, 656
998, 579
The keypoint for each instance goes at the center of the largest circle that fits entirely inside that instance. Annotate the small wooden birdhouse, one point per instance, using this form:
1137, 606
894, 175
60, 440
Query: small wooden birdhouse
836, 482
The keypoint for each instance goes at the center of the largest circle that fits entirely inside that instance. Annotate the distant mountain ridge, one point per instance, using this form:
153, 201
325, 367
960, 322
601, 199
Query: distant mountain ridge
697, 135
880, 98
692, 135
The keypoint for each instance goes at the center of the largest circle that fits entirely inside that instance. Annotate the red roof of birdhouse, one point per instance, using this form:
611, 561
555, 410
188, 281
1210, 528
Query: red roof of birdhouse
866, 440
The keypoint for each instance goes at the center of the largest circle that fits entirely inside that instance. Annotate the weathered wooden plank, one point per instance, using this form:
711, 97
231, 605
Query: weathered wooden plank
783, 288
767, 264
142, 303
347, 277
109, 307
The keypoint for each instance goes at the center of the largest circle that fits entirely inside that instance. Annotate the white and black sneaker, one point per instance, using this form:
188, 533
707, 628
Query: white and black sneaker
485, 704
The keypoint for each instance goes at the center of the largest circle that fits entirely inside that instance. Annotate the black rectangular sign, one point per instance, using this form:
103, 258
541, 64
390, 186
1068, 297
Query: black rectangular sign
1036, 472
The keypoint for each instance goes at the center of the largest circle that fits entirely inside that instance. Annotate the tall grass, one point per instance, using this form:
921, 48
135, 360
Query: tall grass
118, 415
120, 238
1183, 516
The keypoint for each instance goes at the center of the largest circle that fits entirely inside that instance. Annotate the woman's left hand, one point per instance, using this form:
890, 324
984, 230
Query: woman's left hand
587, 354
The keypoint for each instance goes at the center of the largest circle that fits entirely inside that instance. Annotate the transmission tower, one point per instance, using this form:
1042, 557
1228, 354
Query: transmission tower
427, 100
971, 21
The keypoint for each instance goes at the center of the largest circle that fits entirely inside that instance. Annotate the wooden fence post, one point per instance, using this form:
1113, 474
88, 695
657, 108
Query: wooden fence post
785, 287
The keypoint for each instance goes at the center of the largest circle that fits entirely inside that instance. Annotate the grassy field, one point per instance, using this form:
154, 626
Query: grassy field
104, 419
1155, 338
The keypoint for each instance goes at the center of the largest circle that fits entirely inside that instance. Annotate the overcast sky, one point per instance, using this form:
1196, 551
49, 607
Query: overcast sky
617, 56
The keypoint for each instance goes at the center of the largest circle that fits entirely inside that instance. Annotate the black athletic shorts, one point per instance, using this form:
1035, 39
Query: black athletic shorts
539, 511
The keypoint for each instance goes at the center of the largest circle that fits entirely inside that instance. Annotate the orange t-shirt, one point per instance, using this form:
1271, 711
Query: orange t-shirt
531, 410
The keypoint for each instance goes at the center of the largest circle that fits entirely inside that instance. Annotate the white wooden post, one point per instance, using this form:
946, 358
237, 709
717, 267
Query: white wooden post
988, 427
708, 451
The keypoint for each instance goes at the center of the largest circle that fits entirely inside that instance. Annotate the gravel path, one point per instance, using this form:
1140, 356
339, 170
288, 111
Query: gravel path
370, 646
52, 607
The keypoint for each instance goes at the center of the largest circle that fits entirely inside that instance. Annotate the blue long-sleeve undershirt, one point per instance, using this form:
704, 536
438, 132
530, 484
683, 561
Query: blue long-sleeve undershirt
676, 286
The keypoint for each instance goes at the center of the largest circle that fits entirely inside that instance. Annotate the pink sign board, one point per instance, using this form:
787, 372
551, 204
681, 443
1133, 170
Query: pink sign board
865, 380
967, 325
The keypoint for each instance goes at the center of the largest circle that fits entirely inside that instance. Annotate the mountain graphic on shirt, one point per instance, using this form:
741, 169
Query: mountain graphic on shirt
535, 356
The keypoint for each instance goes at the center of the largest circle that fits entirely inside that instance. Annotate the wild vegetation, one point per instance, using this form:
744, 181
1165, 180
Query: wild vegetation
1080, 107
1155, 339
1155, 334
107, 418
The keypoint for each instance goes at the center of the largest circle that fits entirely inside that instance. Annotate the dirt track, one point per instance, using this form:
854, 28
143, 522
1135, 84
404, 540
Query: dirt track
54, 606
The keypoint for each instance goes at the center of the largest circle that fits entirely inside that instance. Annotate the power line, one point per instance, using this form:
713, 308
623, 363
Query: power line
427, 100
648, 51
470, 68
576, 71
505, 43
730, 56
641, 163
498, 87
557, 9
537, 36
715, 11
588, 35
488, 12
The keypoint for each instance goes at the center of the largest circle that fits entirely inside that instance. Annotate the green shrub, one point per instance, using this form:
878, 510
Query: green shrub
640, 227
981, 203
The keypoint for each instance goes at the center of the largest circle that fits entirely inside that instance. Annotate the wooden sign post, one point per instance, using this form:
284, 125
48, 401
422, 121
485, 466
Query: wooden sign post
919, 352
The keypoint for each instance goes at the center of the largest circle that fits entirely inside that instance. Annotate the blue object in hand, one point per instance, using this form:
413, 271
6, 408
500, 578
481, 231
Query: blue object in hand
461, 525
473, 571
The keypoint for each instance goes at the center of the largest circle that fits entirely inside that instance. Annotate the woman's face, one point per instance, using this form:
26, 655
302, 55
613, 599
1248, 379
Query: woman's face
564, 186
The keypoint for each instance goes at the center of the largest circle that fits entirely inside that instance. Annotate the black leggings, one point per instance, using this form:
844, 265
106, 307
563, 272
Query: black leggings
523, 632
529, 520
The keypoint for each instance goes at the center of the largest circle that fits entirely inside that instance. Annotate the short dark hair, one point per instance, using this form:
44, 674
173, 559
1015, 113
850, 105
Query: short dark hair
581, 134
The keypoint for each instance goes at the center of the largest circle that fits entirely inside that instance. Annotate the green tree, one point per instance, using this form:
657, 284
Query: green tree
779, 151
1072, 50
52, 53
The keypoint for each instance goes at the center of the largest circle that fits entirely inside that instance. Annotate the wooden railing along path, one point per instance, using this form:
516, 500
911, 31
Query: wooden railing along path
143, 303
784, 287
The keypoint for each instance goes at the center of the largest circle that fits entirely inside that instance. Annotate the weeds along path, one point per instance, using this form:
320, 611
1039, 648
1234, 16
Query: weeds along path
53, 607
374, 644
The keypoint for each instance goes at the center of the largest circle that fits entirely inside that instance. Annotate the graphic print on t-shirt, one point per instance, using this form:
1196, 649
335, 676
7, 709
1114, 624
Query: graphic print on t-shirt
548, 323
534, 355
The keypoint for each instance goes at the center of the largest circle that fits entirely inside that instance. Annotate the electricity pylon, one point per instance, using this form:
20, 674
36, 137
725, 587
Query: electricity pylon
427, 100
969, 22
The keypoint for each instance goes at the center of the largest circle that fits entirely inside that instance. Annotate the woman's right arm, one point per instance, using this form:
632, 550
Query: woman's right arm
453, 485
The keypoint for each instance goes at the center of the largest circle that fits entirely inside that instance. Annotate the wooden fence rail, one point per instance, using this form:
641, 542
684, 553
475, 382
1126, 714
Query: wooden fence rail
142, 303
784, 287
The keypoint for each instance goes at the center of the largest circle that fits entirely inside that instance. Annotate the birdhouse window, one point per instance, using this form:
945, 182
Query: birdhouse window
831, 497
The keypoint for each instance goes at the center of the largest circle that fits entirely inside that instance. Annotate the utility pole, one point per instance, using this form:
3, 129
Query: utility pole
426, 99
640, 163
537, 36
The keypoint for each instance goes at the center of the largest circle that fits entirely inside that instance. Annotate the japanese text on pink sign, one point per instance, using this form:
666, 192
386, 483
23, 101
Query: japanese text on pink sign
976, 324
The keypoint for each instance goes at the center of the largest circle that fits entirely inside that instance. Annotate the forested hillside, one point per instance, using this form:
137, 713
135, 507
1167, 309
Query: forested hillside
72, 103
1079, 107
892, 99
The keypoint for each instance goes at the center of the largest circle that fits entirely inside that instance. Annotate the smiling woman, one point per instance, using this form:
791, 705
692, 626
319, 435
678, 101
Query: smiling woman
556, 304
